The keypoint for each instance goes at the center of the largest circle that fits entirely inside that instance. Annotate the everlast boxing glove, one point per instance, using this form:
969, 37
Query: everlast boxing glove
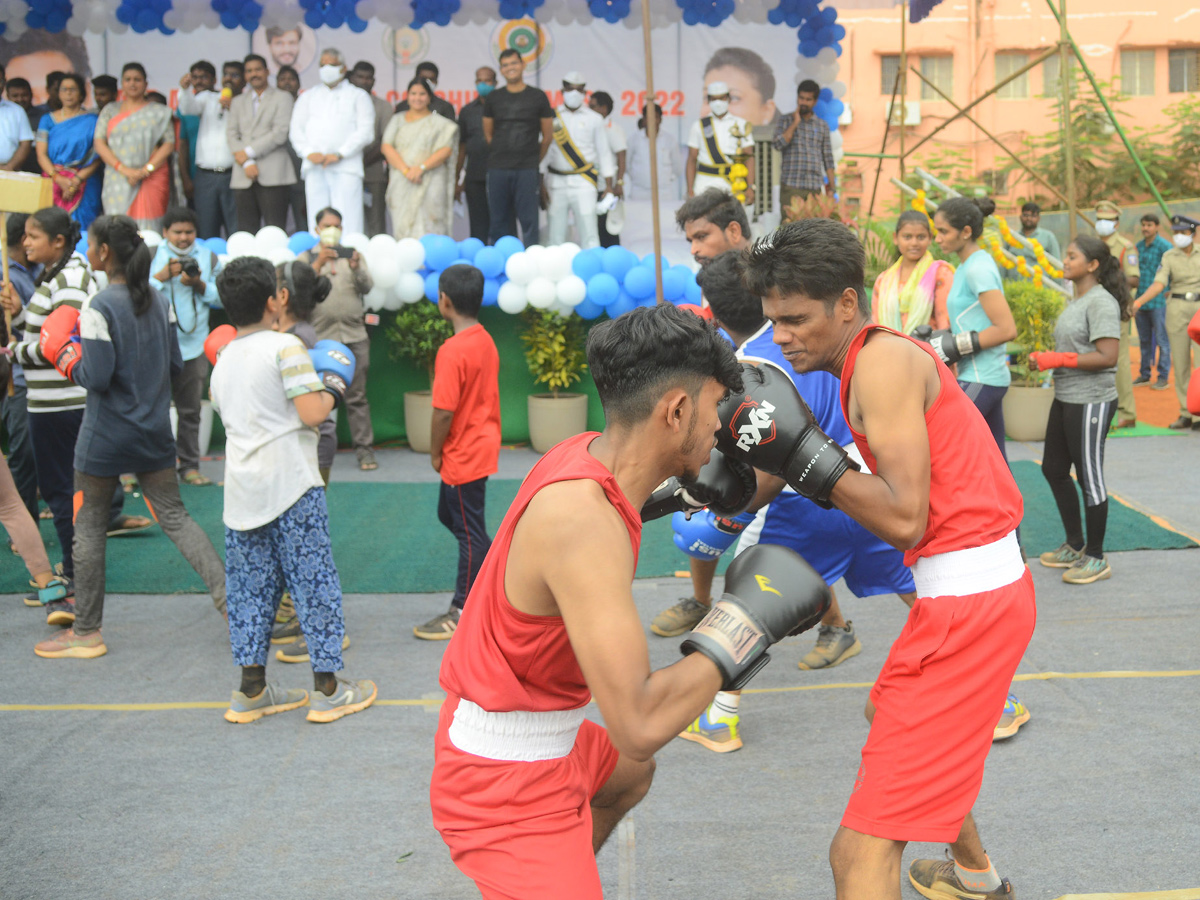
950, 347
724, 485
707, 535
58, 340
335, 364
770, 427
218, 339
770, 593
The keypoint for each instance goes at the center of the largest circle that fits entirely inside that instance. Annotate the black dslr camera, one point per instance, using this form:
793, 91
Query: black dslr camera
189, 267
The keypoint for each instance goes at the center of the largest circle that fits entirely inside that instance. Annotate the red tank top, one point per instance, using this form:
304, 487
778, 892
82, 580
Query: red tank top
504, 659
973, 499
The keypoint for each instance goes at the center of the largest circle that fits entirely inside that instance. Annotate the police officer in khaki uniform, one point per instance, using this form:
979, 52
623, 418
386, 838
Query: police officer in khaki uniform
1108, 215
1180, 270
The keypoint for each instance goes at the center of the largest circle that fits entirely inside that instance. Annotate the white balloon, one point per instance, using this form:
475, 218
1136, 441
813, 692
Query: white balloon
541, 293
385, 271
382, 243
571, 290
152, 238
535, 254
555, 263
357, 240
571, 248
376, 298
241, 243
511, 298
410, 287
278, 255
392, 302
838, 89
271, 237
826, 55
520, 268
410, 254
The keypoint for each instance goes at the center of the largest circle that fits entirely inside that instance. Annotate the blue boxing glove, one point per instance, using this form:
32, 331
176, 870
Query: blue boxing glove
706, 535
334, 363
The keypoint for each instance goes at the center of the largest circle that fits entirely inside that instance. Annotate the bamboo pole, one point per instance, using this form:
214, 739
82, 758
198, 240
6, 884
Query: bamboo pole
887, 126
1064, 89
964, 110
903, 79
649, 110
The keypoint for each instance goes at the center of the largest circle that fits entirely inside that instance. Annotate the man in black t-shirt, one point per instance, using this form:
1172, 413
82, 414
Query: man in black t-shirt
441, 106
517, 124
473, 155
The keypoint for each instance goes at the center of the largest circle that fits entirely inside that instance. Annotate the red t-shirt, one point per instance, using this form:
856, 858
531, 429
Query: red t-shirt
466, 382
973, 499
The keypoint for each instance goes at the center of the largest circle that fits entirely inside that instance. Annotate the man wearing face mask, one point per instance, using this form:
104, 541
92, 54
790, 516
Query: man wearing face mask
1179, 276
573, 168
441, 106
375, 170
804, 141
1108, 216
713, 145
473, 156
331, 125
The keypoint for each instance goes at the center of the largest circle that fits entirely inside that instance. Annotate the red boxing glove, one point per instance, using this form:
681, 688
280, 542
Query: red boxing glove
58, 340
1194, 328
216, 341
1052, 359
1193, 397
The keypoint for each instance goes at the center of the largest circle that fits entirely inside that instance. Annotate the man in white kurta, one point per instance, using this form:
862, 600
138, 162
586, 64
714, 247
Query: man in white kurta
331, 125
727, 134
578, 167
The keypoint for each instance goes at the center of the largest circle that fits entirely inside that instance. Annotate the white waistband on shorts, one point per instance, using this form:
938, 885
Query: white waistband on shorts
973, 571
518, 736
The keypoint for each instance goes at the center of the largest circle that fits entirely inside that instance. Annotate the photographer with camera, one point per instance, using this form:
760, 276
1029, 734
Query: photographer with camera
186, 273
342, 318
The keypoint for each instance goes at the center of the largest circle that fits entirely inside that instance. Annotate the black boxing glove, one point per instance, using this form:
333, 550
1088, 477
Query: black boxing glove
724, 485
949, 347
770, 427
770, 593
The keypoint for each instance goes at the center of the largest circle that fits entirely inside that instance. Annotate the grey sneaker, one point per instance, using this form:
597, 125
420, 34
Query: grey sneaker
297, 650
834, 645
286, 632
350, 697
439, 628
273, 699
1087, 570
938, 880
1062, 558
680, 618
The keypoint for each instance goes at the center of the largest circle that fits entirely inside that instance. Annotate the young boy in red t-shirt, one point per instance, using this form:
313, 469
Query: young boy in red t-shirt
465, 442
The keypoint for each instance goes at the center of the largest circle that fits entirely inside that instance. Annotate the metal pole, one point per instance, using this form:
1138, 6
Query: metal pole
1017, 74
887, 125
650, 112
1112, 116
903, 79
1068, 137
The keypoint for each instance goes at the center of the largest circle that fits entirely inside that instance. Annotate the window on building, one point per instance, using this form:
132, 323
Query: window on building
940, 71
1185, 70
1006, 64
1050, 72
1137, 73
890, 65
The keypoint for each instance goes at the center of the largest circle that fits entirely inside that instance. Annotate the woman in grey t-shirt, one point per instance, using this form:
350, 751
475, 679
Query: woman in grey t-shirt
1086, 339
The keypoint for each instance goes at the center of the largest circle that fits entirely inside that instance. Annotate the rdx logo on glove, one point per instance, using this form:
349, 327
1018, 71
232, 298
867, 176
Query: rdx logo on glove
338, 356
760, 429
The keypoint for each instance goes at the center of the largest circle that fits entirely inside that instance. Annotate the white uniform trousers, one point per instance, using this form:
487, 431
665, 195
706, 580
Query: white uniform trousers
572, 193
344, 192
704, 182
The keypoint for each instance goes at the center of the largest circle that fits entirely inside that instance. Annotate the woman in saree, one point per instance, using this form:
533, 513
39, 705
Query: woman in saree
914, 289
419, 146
66, 155
135, 138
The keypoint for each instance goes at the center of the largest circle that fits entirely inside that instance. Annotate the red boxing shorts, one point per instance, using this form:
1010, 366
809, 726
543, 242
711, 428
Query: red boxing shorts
937, 701
522, 830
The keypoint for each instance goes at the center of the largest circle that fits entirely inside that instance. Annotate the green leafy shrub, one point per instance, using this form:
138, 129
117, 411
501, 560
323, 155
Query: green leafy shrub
1035, 310
554, 348
416, 333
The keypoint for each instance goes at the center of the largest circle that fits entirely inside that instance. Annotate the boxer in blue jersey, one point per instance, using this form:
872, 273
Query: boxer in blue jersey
832, 543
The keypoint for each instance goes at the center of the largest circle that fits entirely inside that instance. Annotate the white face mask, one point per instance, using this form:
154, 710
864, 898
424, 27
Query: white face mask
1105, 227
573, 99
718, 107
1183, 241
330, 75
331, 236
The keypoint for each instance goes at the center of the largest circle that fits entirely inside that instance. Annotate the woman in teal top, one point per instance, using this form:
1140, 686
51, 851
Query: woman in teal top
979, 315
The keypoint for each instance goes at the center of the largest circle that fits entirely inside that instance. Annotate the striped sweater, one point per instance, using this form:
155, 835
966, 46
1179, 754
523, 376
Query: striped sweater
49, 391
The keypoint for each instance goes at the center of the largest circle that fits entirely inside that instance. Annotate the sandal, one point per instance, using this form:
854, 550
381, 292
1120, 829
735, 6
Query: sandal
129, 525
194, 478
368, 464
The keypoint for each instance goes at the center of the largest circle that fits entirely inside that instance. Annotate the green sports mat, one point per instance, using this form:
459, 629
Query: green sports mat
387, 539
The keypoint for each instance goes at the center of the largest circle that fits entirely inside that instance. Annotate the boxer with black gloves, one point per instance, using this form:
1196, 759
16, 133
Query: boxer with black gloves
949, 347
724, 485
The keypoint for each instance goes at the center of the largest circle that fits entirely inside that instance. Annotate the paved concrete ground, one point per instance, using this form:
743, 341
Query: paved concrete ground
1098, 792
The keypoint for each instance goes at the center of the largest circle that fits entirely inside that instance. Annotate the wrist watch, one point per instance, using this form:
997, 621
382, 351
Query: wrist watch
422, 167
149, 167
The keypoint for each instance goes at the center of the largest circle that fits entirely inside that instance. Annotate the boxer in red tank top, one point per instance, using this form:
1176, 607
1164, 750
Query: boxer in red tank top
937, 488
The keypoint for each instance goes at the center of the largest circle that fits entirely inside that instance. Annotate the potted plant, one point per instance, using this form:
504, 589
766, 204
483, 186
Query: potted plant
415, 334
1035, 309
554, 353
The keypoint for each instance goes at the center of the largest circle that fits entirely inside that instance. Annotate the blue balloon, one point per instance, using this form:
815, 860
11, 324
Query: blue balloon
639, 282
828, 15
586, 309
693, 294
297, 243
603, 289
508, 245
617, 261
837, 107
468, 248
826, 94
621, 305
440, 251
491, 291
489, 261
809, 49
675, 282
431, 286
648, 261
839, 32
588, 263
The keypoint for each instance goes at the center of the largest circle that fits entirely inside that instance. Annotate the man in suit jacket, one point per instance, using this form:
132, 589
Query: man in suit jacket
258, 134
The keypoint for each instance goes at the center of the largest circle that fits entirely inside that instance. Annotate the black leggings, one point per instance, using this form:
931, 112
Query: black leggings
1075, 436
